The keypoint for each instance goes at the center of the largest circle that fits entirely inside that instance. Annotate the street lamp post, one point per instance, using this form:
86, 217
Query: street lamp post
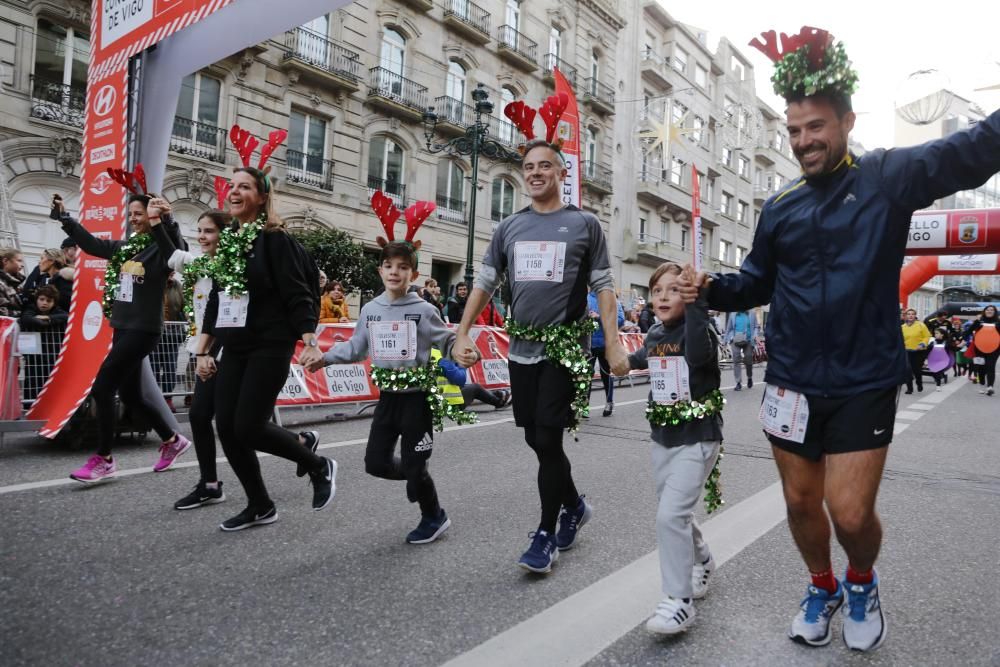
474, 142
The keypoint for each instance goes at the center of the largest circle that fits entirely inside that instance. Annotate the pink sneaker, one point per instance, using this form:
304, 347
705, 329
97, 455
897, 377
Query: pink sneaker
170, 451
96, 469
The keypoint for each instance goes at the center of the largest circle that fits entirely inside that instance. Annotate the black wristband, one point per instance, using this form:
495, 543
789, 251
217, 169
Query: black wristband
202, 354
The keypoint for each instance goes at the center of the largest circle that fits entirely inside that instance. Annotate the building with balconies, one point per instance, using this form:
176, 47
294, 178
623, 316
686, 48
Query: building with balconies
350, 87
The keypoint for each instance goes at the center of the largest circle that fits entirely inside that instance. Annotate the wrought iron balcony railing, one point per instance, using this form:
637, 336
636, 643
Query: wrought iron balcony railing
319, 51
470, 13
390, 85
516, 41
190, 137
552, 61
58, 102
390, 188
309, 169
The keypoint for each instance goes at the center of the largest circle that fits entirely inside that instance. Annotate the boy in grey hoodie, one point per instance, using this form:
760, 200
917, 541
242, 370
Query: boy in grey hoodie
681, 353
397, 330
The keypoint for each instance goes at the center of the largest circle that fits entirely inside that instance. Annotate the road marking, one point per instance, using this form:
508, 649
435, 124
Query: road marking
909, 414
920, 406
605, 611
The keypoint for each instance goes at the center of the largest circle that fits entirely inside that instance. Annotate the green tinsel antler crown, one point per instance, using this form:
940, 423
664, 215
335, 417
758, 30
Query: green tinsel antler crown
808, 63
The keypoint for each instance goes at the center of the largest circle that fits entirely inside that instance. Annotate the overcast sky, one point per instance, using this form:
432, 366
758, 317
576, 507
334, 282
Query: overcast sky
886, 41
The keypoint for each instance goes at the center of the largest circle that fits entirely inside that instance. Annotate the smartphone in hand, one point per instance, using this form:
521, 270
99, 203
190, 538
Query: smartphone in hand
57, 207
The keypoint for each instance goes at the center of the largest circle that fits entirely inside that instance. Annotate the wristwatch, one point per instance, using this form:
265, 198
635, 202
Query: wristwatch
312, 342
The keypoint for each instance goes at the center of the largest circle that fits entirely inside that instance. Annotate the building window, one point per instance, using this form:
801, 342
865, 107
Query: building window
61, 56
514, 14
595, 71
741, 212
306, 143
451, 187
703, 187
199, 99
455, 83
737, 69
711, 190
726, 204
643, 224
506, 129
649, 48
685, 237
727, 156
698, 134
676, 171
393, 55
590, 152
701, 76
724, 250
385, 168
779, 141
680, 60
503, 199
555, 42
744, 163
741, 254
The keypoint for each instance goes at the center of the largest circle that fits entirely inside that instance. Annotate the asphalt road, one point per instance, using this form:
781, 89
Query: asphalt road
112, 575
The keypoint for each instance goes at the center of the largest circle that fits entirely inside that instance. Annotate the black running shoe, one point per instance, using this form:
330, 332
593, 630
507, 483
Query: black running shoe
249, 518
202, 495
312, 442
324, 484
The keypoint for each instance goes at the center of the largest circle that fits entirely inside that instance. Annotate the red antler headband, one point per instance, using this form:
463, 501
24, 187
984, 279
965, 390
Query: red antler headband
222, 188
388, 214
416, 214
134, 181
807, 63
245, 143
551, 112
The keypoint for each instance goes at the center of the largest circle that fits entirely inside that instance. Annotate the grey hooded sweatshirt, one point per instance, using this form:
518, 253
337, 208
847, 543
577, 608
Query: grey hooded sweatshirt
431, 331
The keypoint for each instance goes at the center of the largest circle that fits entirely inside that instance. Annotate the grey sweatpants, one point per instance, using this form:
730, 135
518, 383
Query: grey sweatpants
152, 398
742, 356
680, 473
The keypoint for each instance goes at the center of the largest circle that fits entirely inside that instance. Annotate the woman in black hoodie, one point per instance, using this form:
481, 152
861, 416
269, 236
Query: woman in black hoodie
135, 311
265, 299
987, 339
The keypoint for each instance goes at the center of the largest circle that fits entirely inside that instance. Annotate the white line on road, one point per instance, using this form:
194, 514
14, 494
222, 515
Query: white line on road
600, 614
909, 414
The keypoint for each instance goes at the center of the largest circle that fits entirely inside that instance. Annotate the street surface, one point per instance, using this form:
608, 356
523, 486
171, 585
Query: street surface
112, 575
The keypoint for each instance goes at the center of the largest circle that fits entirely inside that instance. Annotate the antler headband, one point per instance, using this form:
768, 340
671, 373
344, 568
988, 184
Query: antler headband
133, 181
551, 112
807, 63
245, 143
222, 188
387, 213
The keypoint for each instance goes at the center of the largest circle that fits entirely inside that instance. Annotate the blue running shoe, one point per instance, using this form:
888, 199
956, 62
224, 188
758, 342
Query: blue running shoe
429, 529
541, 554
864, 624
570, 522
811, 626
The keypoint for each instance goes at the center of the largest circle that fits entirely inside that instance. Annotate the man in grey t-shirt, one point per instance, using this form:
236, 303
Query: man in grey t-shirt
553, 254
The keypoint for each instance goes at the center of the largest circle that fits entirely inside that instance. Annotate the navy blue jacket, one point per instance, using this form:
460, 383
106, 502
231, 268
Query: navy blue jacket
827, 255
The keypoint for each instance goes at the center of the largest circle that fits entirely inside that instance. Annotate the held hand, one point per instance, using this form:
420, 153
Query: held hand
156, 207
58, 209
617, 358
686, 285
205, 368
464, 351
311, 358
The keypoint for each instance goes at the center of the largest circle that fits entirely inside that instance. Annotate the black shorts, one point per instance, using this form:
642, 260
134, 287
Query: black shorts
542, 394
847, 424
406, 415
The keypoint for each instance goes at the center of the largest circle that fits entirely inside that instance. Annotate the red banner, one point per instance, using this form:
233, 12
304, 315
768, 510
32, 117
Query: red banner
569, 132
10, 388
954, 232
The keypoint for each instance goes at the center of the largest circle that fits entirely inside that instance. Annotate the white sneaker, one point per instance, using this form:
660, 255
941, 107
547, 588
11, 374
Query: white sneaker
982, 391
938, 389
811, 625
700, 574
672, 615
864, 624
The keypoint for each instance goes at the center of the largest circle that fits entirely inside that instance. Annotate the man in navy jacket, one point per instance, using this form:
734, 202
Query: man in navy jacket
827, 255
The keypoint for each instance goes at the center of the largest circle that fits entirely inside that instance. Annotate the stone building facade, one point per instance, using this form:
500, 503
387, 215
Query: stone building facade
351, 88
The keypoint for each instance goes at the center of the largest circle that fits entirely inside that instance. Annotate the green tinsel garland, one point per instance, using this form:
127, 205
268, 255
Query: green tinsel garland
229, 268
674, 414
112, 274
793, 78
423, 378
197, 269
563, 348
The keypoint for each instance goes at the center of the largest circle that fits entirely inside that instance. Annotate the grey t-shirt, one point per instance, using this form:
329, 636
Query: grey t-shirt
552, 260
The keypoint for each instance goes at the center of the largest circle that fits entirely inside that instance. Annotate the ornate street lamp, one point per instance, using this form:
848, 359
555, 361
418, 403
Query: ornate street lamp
474, 142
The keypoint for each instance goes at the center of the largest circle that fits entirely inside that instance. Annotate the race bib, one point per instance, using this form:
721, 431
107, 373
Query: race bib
200, 302
393, 341
539, 260
669, 379
232, 310
784, 414
124, 288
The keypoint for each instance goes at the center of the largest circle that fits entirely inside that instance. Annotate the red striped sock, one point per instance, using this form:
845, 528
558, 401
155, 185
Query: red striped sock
824, 580
856, 577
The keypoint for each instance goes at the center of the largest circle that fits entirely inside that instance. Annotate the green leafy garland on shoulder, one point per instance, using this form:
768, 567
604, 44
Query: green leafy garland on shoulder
112, 274
425, 379
563, 348
228, 266
675, 414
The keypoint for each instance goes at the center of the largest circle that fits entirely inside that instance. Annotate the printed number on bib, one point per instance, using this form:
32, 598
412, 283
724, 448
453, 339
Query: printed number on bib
125, 282
393, 341
539, 261
784, 414
232, 310
669, 379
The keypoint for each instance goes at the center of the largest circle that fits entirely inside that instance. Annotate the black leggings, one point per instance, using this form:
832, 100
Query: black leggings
200, 416
916, 359
555, 475
606, 380
121, 372
988, 371
476, 392
246, 390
